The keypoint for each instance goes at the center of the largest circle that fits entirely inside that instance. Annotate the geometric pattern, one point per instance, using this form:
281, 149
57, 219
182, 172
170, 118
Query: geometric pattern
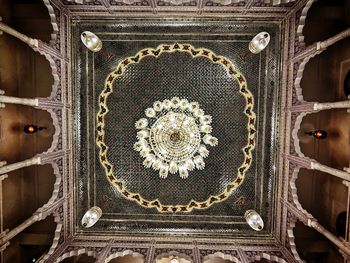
248, 111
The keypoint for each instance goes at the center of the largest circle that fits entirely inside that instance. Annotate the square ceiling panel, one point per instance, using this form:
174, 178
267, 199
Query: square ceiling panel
204, 61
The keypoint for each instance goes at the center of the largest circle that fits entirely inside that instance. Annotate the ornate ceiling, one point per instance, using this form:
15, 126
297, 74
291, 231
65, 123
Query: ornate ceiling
195, 50
206, 61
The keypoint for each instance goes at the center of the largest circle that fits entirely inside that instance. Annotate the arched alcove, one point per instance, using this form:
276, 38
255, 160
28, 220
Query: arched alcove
334, 151
24, 191
322, 195
32, 243
15, 144
314, 247
29, 17
326, 18
324, 74
130, 258
25, 73
84, 258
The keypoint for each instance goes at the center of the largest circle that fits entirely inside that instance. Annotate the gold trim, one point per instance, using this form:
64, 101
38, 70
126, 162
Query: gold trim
248, 111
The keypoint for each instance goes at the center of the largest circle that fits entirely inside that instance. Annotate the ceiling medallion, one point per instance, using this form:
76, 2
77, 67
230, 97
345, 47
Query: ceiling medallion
174, 137
248, 112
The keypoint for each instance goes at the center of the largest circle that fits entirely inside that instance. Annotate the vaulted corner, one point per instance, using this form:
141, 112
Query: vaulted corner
314, 247
32, 243
174, 131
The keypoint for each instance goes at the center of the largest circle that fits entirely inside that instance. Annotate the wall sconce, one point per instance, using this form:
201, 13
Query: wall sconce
259, 42
319, 134
91, 41
254, 220
30, 129
91, 217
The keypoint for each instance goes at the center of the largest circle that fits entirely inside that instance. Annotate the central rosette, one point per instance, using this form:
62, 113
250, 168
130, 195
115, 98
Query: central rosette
173, 137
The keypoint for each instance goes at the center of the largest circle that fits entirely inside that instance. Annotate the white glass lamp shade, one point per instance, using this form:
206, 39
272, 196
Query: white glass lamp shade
259, 42
174, 260
91, 41
254, 220
91, 216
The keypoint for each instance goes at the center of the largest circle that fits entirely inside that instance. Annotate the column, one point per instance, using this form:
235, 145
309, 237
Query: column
332, 105
330, 41
336, 241
19, 165
30, 41
323, 168
308, 163
317, 106
320, 46
22, 101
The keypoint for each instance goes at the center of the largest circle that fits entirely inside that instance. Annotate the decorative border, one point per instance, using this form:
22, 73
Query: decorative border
248, 111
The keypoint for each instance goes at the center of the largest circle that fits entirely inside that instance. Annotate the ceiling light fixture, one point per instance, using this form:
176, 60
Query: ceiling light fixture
254, 220
259, 42
174, 137
91, 41
91, 217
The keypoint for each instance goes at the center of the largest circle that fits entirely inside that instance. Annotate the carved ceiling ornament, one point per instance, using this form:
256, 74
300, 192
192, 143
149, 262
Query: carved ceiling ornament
248, 111
174, 137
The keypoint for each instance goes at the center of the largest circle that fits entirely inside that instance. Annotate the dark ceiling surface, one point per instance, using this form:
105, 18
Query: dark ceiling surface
176, 74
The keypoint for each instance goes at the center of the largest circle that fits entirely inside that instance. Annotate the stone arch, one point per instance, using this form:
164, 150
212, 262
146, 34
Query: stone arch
209, 258
302, 21
324, 73
76, 252
318, 26
125, 253
32, 243
304, 63
312, 246
294, 192
319, 196
20, 191
56, 186
54, 22
166, 257
291, 240
55, 241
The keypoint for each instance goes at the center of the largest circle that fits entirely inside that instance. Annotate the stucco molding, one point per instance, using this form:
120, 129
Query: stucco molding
76, 252
294, 192
302, 20
295, 131
53, 19
56, 239
124, 253
221, 255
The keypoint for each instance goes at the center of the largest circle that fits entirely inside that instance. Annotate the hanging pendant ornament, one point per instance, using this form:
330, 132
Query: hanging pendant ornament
175, 137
